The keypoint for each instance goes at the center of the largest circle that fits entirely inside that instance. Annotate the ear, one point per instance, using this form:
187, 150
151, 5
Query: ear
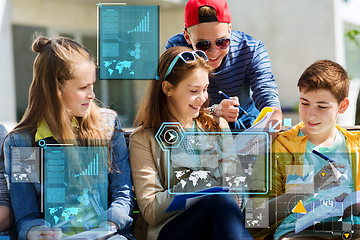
61, 88
167, 88
344, 105
187, 37
229, 30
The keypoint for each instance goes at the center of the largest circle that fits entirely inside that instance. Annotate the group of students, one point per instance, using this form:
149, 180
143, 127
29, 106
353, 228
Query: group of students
206, 58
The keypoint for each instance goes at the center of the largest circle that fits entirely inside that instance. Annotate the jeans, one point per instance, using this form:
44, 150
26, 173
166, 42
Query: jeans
214, 217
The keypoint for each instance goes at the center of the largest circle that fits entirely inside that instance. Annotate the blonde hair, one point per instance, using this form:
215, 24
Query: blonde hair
53, 66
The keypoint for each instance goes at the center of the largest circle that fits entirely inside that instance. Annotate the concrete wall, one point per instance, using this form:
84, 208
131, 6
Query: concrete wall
7, 89
78, 18
78, 15
59, 14
346, 12
171, 23
296, 33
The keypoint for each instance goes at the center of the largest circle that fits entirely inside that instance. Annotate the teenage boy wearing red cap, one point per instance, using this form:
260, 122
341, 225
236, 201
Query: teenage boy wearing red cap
241, 63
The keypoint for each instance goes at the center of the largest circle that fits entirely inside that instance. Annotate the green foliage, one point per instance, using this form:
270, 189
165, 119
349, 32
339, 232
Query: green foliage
354, 35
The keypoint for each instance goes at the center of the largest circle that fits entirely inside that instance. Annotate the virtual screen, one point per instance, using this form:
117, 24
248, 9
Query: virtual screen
200, 160
75, 181
128, 41
299, 192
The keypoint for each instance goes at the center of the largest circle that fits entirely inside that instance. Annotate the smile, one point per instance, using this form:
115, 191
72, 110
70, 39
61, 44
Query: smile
195, 107
313, 124
214, 59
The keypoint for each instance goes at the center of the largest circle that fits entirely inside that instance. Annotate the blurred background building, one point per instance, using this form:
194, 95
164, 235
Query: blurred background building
296, 33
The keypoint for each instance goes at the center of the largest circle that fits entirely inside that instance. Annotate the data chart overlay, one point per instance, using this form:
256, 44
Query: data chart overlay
128, 46
75, 179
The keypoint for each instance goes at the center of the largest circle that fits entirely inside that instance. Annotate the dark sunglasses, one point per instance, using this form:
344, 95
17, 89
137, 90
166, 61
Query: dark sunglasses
221, 43
187, 57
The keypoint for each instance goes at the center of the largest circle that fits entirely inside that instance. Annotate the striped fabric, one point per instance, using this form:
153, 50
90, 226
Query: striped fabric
245, 73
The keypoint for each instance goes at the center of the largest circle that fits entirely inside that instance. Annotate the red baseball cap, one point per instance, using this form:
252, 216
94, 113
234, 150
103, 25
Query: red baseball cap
192, 12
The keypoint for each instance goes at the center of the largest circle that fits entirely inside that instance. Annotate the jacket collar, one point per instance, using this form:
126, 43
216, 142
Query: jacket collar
43, 131
291, 141
297, 144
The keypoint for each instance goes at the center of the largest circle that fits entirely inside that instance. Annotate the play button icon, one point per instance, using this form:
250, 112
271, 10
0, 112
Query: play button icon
171, 136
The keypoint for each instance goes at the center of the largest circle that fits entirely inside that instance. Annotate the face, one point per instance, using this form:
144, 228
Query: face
319, 110
186, 98
209, 31
77, 93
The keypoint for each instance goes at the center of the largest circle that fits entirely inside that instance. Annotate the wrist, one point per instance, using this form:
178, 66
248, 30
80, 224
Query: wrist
212, 109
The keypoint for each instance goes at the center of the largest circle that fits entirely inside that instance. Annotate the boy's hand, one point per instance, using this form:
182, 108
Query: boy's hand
109, 225
276, 123
326, 179
227, 109
44, 233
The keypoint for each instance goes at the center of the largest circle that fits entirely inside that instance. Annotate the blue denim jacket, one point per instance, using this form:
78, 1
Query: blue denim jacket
3, 133
4, 195
25, 197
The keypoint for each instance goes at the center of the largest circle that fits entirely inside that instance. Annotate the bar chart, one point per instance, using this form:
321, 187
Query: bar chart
128, 42
91, 169
143, 26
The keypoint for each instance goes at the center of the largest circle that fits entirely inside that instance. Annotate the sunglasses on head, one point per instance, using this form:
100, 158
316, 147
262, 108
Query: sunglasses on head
187, 57
221, 43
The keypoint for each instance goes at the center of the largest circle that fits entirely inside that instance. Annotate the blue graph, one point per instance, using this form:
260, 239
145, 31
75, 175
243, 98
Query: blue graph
143, 26
92, 169
121, 28
296, 179
73, 177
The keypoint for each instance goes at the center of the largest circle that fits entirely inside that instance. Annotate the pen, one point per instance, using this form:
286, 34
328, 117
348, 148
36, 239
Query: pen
221, 92
322, 156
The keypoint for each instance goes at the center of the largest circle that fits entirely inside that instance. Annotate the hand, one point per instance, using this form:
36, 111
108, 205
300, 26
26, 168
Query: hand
227, 109
329, 180
275, 120
43, 233
109, 225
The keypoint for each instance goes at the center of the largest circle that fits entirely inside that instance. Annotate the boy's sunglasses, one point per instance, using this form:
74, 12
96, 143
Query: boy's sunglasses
221, 43
187, 57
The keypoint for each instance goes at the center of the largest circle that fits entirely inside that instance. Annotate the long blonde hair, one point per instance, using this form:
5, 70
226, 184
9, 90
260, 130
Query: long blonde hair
53, 66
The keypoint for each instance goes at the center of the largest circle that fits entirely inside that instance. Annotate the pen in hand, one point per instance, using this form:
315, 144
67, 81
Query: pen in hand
221, 92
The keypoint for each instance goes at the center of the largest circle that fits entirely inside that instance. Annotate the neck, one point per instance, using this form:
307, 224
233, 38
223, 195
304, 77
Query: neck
185, 122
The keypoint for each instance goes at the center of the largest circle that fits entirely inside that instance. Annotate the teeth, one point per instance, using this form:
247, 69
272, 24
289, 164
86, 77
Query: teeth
214, 58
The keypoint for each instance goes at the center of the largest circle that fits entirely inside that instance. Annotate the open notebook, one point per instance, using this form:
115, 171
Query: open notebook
262, 120
96, 233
